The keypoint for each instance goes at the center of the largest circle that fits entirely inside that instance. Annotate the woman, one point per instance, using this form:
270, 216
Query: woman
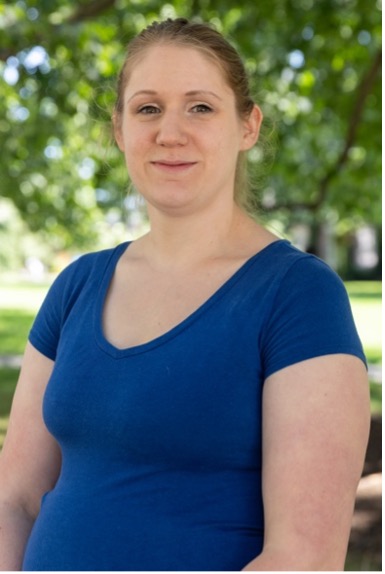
204, 394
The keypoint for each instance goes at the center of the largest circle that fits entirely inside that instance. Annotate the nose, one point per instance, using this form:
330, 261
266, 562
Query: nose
171, 130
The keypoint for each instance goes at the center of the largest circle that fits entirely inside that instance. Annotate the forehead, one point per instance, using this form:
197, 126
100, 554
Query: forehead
176, 65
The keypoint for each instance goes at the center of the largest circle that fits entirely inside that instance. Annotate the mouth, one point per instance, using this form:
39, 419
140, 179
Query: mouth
173, 165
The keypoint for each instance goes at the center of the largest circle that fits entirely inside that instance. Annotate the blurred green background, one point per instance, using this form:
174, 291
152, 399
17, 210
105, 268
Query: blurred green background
314, 67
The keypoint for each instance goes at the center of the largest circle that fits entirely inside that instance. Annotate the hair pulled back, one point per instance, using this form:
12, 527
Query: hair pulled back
204, 38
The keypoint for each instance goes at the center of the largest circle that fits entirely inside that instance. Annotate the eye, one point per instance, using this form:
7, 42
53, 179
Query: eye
201, 109
148, 110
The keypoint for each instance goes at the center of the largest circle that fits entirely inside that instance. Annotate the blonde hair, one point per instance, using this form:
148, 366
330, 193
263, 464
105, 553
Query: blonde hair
204, 38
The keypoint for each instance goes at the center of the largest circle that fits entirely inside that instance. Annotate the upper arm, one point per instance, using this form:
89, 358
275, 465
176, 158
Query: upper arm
315, 432
30, 459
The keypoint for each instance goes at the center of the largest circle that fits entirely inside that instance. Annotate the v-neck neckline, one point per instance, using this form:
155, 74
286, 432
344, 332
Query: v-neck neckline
117, 352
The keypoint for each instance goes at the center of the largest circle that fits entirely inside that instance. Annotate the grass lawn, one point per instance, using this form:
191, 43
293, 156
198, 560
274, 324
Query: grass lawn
8, 379
22, 294
365, 297
14, 328
19, 301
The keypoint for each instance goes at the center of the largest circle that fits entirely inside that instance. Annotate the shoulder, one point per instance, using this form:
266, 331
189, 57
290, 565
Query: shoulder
79, 279
88, 267
280, 275
85, 272
94, 259
281, 271
301, 281
300, 270
308, 311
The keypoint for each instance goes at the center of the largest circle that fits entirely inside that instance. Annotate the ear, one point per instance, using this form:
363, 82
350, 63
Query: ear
251, 127
117, 124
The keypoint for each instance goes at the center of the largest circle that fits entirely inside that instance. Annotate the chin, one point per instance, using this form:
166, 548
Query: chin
173, 208
171, 199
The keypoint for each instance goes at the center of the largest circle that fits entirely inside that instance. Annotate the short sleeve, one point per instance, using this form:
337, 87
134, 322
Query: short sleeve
45, 331
84, 273
310, 317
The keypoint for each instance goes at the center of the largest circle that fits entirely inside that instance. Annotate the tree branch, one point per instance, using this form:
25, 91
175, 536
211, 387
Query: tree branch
94, 8
82, 13
364, 89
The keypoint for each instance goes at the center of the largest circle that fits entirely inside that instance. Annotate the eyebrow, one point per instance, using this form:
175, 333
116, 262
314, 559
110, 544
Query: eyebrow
203, 93
190, 93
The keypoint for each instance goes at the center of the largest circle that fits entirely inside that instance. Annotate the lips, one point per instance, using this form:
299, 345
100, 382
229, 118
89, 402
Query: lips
173, 165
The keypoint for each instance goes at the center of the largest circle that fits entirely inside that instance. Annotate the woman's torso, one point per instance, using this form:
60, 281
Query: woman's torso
160, 441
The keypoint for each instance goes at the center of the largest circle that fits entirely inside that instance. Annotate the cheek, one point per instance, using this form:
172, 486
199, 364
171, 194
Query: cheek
228, 144
136, 156
132, 162
230, 133
134, 145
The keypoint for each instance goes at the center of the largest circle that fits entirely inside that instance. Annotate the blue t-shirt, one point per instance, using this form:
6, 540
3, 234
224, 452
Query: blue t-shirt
161, 442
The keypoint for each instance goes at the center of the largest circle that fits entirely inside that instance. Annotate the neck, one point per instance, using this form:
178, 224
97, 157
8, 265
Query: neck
177, 242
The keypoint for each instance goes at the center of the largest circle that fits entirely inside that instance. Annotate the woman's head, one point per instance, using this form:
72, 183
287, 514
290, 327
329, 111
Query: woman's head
194, 35
211, 44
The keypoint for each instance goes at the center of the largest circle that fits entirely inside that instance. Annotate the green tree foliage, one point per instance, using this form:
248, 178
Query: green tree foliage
315, 68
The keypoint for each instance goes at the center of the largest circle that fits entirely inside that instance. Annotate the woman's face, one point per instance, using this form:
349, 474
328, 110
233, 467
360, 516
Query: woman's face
180, 131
